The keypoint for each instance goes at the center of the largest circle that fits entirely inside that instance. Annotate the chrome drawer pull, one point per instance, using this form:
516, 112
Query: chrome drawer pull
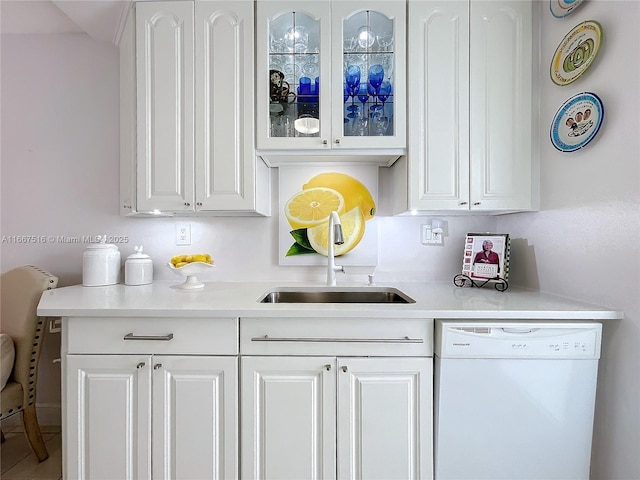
164, 338
267, 338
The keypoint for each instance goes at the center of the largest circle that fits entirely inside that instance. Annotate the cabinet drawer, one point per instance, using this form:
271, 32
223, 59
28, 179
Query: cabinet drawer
336, 336
204, 336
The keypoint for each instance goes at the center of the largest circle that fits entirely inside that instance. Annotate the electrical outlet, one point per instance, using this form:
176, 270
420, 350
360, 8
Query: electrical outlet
429, 237
183, 234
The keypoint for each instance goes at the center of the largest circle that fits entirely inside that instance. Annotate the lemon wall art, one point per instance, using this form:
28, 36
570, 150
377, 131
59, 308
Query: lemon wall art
307, 197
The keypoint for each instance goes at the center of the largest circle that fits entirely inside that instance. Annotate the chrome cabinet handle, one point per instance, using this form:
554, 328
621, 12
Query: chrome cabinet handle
267, 338
157, 366
324, 142
477, 203
140, 365
327, 367
344, 368
337, 141
464, 203
163, 338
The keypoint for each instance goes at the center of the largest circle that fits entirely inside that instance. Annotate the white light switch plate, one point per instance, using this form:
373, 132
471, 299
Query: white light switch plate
426, 234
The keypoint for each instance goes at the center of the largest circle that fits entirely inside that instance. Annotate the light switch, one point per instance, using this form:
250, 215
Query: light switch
426, 234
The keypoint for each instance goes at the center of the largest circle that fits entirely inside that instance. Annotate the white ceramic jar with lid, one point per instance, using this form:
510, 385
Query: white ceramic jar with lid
101, 264
138, 269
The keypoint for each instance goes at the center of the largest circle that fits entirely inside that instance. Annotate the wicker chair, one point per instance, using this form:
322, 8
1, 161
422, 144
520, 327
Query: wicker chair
21, 290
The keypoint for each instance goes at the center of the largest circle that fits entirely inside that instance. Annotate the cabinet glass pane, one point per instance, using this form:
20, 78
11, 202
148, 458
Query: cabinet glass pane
294, 82
368, 63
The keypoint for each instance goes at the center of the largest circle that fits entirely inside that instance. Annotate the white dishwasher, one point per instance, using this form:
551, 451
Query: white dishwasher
514, 400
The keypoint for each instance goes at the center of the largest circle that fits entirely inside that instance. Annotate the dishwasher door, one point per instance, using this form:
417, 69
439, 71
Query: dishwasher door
514, 401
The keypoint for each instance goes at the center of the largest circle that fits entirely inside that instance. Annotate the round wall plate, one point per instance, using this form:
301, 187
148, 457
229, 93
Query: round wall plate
576, 52
562, 8
577, 122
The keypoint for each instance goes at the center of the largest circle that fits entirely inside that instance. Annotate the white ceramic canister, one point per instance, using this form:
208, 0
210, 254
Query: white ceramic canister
101, 264
138, 269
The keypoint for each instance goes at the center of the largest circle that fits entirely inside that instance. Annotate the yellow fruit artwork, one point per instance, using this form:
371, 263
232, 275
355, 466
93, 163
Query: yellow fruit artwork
308, 210
312, 207
354, 192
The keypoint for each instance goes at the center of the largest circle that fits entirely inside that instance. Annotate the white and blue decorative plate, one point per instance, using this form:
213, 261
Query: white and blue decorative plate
577, 122
562, 8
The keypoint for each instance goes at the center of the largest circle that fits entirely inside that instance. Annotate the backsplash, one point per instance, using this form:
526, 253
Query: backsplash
243, 249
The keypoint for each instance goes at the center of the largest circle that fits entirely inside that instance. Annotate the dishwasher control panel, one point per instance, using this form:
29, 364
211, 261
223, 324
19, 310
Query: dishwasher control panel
517, 340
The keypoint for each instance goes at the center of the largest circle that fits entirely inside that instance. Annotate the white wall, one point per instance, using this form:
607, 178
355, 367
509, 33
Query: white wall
584, 242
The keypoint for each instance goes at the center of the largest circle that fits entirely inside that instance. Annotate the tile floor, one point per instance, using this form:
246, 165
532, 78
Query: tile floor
17, 462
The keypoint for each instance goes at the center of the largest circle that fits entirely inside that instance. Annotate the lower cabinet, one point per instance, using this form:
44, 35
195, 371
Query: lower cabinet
150, 416
253, 398
336, 417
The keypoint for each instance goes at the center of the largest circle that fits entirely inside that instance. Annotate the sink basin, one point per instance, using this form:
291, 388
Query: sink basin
333, 295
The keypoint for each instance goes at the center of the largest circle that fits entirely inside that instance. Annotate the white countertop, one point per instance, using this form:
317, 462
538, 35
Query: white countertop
236, 299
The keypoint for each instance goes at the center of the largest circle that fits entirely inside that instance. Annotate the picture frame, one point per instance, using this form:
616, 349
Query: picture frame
486, 256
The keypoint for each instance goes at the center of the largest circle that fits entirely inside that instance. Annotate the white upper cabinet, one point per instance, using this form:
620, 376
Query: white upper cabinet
500, 105
165, 99
227, 174
195, 110
331, 77
470, 89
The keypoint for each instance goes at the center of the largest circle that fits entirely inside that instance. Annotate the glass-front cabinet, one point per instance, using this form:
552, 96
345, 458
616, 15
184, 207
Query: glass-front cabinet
331, 75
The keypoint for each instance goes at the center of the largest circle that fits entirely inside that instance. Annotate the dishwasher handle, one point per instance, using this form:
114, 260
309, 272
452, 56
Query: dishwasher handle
518, 330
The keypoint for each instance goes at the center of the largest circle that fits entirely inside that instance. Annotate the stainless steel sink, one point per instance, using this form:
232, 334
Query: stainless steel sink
333, 295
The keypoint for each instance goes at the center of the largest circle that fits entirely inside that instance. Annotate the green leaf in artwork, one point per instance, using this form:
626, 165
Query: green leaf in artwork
301, 238
297, 249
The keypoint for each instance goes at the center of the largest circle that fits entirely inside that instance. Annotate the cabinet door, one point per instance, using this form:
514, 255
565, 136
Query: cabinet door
368, 88
225, 153
288, 418
293, 74
164, 45
500, 105
438, 105
195, 417
385, 418
107, 417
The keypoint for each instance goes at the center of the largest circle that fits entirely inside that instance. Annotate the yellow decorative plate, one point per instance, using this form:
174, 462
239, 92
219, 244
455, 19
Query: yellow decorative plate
576, 52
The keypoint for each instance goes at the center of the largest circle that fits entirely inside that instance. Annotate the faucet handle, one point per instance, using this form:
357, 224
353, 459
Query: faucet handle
371, 275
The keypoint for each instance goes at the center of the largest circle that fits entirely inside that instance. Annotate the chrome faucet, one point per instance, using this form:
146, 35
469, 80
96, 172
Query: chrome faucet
335, 238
